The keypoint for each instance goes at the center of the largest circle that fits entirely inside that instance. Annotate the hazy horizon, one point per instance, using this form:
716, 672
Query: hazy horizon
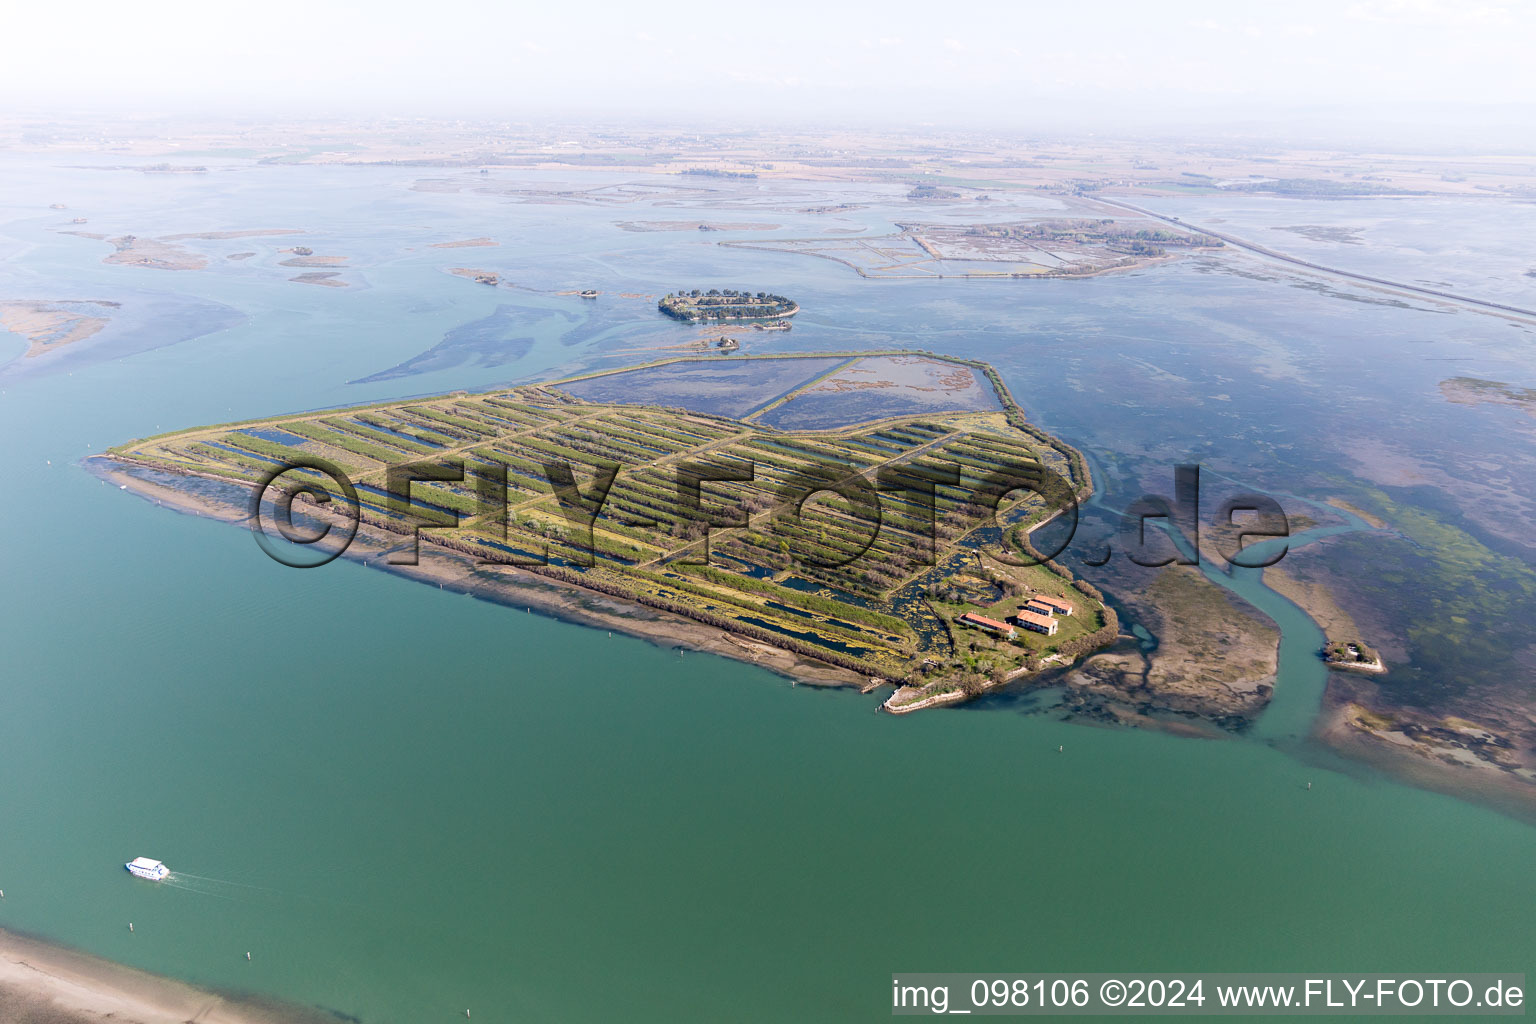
1377, 69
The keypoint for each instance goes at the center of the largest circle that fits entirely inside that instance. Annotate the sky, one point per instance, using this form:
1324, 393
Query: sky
1006, 64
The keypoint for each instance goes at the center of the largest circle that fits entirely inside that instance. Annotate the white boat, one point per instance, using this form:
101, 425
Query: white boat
143, 867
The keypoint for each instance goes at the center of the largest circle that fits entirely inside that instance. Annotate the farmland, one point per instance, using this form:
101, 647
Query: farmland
857, 546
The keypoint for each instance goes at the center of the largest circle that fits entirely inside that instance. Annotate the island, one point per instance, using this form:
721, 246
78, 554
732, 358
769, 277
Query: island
165, 254
727, 305
155, 254
1105, 232
1353, 654
485, 277
1055, 247
844, 518
327, 278
47, 326
1343, 647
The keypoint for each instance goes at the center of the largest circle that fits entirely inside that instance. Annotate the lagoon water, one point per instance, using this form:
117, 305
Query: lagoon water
405, 802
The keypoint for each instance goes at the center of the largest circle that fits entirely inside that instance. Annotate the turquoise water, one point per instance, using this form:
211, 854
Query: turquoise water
1301, 678
405, 802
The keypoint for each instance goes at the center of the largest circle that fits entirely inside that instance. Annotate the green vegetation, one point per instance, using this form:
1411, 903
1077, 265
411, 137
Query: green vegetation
696, 306
1320, 187
773, 548
1463, 594
1106, 232
710, 172
1351, 652
926, 191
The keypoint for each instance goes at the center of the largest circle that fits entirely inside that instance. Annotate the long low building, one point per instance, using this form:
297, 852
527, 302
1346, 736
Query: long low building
1055, 604
990, 625
1035, 621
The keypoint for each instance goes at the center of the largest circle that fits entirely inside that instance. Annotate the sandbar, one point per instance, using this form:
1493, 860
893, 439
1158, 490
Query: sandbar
51, 325
48, 984
328, 278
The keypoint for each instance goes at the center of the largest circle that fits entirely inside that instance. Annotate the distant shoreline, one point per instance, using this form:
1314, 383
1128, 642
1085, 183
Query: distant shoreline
45, 982
1480, 305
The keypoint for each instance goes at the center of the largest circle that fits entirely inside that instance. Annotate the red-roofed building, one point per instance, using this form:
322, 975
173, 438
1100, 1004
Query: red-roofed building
1035, 621
1056, 604
990, 625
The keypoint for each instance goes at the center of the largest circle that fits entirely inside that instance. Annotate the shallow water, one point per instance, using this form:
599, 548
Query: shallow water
406, 802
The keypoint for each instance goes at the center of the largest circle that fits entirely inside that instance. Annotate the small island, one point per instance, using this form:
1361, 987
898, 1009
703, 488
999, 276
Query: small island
728, 305
856, 519
485, 277
1353, 654
1128, 240
925, 191
47, 326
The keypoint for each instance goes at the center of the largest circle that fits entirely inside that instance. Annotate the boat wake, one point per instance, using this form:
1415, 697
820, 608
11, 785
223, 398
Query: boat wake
219, 888
243, 892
